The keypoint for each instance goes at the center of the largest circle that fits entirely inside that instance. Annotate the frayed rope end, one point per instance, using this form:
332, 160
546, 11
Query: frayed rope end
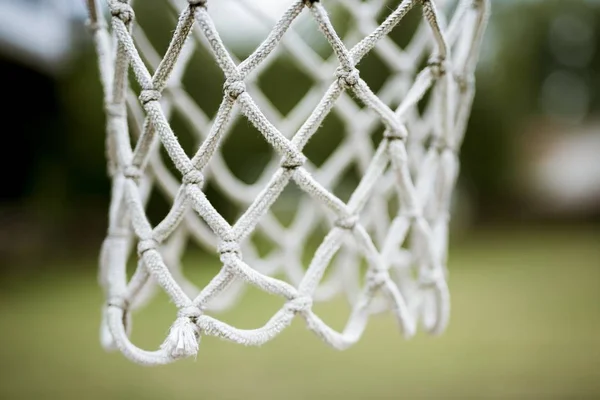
183, 338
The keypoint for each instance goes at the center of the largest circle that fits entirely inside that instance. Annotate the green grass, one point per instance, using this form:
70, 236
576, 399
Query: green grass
525, 324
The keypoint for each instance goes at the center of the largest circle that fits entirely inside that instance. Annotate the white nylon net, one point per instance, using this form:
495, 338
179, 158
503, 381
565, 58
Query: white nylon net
414, 167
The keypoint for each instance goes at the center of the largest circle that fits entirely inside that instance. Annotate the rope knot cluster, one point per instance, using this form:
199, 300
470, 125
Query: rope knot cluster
299, 304
347, 78
145, 245
118, 302
376, 278
442, 145
191, 312
438, 67
230, 247
478, 4
399, 132
294, 162
132, 172
465, 82
193, 177
347, 223
197, 3
123, 11
234, 88
148, 95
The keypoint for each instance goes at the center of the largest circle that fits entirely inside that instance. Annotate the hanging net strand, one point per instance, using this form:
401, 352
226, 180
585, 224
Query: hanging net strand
415, 162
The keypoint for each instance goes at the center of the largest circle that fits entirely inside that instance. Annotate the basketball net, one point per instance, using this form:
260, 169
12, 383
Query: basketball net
423, 107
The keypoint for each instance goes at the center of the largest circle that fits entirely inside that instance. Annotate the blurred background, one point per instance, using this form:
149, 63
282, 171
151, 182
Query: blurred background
525, 251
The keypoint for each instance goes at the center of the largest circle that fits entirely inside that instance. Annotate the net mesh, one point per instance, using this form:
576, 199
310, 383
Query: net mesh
414, 166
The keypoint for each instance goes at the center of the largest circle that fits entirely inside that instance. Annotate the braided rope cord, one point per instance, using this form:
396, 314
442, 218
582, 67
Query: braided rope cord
422, 177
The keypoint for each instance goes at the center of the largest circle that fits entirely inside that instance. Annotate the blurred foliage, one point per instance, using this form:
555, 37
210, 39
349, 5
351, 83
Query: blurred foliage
516, 62
518, 57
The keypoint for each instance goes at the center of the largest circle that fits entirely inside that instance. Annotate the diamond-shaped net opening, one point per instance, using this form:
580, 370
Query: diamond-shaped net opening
366, 213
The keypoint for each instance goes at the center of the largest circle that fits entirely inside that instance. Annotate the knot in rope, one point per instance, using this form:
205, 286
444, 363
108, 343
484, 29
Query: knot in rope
197, 3
230, 247
299, 304
397, 132
443, 145
348, 222
477, 4
184, 334
347, 78
193, 177
429, 278
309, 3
148, 95
146, 244
464, 82
234, 88
192, 312
123, 11
377, 277
437, 67
118, 302
293, 162
131, 172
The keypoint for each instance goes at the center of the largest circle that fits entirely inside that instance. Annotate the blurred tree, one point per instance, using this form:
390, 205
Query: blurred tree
521, 53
